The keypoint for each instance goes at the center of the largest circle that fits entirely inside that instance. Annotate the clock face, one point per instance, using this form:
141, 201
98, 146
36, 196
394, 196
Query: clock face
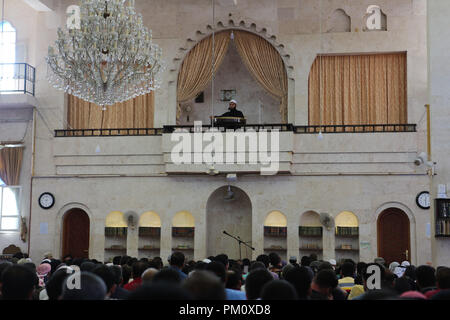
46, 200
423, 200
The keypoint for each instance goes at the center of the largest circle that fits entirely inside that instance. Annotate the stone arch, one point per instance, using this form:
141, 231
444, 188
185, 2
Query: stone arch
310, 218
412, 221
275, 219
150, 219
58, 242
346, 219
233, 216
183, 219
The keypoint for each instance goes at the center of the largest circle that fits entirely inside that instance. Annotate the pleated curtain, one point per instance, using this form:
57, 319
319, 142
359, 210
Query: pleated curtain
358, 89
132, 114
196, 70
10, 165
265, 64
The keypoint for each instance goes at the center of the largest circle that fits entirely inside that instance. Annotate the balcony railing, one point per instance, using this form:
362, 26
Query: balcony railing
17, 78
366, 128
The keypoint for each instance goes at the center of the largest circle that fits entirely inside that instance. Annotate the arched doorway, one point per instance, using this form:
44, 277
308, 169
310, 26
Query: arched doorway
232, 214
247, 68
394, 242
76, 230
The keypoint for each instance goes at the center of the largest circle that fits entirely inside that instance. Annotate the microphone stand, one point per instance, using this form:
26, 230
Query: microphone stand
240, 242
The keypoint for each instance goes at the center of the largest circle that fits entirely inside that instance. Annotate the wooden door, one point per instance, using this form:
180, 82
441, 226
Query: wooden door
76, 228
394, 236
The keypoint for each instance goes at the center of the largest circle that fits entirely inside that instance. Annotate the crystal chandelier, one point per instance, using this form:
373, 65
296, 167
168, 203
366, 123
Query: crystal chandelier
108, 58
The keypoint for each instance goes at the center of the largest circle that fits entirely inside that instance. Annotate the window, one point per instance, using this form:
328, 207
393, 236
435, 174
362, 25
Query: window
9, 207
7, 56
358, 89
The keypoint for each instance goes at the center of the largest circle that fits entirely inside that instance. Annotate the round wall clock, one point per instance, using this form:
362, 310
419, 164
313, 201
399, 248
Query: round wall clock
423, 200
46, 200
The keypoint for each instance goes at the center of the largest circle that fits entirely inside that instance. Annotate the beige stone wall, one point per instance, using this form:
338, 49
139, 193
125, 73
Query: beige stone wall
362, 173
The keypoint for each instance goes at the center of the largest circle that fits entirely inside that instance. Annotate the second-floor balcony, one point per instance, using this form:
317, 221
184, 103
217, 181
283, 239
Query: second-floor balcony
17, 85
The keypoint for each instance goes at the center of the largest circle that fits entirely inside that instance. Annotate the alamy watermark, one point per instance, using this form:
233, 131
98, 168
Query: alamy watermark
210, 146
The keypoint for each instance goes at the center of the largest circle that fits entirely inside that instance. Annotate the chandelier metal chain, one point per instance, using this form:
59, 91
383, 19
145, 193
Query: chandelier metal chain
110, 58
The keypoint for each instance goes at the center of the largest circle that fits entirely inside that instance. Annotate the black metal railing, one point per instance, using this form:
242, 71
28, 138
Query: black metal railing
360, 128
108, 132
17, 78
245, 128
366, 128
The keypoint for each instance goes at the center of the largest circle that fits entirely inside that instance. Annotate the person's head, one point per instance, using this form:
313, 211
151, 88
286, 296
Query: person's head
393, 265
148, 275
410, 272
274, 259
324, 282
402, 285
117, 271
234, 279
116, 260
138, 269
443, 278
158, 263
300, 278
426, 276
87, 266
126, 274
167, 275
256, 265
218, 269
293, 260
160, 291
325, 266
264, 258
278, 290
91, 287
360, 267
18, 283
313, 257
305, 261
108, 277
54, 285
255, 282
204, 285
222, 258
177, 259
348, 270
232, 105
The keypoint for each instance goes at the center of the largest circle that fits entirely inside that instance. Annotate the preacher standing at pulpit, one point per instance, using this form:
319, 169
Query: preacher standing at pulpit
233, 112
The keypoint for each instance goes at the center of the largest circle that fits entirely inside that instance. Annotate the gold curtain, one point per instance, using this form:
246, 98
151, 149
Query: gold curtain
10, 165
136, 113
265, 64
358, 89
195, 73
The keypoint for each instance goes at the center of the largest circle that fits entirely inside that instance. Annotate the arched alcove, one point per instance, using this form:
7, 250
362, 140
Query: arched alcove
339, 22
183, 233
275, 234
149, 242
76, 233
116, 232
233, 216
310, 234
260, 103
347, 236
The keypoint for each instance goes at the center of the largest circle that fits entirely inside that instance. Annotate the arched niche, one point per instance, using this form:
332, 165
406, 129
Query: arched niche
346, 219
275, 219
310, 219
149, 243
183, 219
115, 219
275, 234
231, 215
150, 219
347, 236
310, 235
339, 22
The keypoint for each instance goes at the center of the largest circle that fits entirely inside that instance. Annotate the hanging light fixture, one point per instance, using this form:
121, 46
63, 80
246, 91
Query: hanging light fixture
110, 58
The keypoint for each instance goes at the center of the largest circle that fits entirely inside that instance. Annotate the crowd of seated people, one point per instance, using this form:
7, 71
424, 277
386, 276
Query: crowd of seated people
219, 278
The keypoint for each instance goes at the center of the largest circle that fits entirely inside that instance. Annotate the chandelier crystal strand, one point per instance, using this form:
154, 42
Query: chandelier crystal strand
111, 58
